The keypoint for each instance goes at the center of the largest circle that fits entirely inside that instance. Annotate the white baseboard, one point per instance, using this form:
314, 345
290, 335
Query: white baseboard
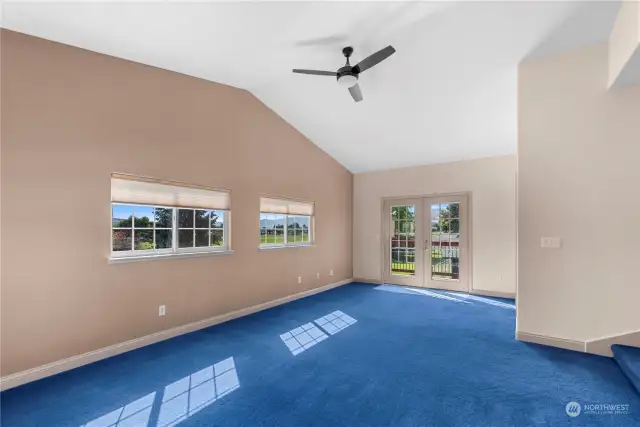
480, 292
370, 281
483, 292
602, 345
551, 341
63, 365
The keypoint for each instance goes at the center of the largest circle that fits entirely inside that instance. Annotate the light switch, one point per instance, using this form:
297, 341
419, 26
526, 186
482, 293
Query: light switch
550, 242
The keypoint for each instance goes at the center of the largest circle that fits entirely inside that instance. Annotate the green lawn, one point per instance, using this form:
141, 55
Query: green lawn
271, 238
403, 268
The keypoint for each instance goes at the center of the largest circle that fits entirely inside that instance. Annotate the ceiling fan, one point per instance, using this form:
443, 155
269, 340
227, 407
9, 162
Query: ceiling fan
348, 75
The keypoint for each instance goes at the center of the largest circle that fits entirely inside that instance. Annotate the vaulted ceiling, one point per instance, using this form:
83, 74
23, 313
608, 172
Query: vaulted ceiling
449, 92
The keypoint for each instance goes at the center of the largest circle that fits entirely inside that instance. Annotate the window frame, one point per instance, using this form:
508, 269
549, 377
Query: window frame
174, 249
197, 249
286, 242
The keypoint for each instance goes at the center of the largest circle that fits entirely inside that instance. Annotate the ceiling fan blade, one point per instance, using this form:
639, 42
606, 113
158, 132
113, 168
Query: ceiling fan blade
374, 59
316, 72
355, 92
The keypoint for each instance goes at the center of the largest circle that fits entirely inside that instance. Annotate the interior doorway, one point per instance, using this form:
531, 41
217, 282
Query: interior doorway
426, 242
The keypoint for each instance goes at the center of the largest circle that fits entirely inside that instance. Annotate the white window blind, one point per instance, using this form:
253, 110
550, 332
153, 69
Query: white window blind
283, 206
131, 189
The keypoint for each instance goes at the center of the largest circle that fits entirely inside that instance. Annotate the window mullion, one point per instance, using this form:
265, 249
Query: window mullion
286, 229
225, 230
154, 228
210, 218
174, 230
133, 229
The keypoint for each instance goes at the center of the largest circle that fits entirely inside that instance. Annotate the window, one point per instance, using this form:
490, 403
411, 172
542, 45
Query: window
141, 228
285, 222
199, 228
143, 225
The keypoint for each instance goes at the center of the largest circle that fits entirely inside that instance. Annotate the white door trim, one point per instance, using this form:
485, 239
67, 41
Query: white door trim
469, 237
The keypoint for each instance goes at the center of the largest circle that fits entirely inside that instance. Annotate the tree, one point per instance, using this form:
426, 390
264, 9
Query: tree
403, 212
448, 219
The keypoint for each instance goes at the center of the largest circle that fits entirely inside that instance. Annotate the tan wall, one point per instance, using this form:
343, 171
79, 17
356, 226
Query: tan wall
70, 118
624, 40
578, 175
491, 183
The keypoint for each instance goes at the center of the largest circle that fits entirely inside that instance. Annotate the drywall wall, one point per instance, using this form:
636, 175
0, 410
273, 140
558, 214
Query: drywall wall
491, 184
72, 117
578, 175
624, 46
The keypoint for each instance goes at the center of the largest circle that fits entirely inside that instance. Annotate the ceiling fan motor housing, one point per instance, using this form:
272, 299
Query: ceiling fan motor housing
347, 77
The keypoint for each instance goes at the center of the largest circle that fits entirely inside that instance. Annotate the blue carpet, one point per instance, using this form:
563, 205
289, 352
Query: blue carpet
628, 358
358, 355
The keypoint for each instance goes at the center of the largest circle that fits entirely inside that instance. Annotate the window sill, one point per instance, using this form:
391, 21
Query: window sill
280, 247
127, 259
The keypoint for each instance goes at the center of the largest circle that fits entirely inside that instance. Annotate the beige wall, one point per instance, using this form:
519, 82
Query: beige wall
624, 42
578, 176
491, 183
70, 118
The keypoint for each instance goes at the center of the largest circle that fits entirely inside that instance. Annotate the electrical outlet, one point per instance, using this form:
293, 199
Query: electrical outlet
162, 310
299, 279
330, 272
317, 275
550, 242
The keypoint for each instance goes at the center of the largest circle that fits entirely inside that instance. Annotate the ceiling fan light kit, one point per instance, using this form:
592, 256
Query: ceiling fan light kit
348, 76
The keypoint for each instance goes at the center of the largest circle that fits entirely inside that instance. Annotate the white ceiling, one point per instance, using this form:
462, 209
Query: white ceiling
449, 93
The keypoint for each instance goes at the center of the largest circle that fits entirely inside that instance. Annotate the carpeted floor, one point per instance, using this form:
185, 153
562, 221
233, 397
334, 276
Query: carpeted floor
359, 355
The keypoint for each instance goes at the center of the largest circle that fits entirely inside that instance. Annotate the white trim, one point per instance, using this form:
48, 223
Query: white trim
172, 255
497, 294
602, 345
574, 345
369, 281
174, 250
63, 365
275, 247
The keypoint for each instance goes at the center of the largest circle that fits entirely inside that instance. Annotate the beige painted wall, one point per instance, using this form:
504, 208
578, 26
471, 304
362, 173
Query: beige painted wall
491, 183
70, 118
624, 41
578, 176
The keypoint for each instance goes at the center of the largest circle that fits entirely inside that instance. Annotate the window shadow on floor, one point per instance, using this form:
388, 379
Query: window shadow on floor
178, 400
306, 336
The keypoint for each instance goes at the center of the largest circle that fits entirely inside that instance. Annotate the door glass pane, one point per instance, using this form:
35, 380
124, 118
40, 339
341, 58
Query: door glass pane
445, 241
403, 246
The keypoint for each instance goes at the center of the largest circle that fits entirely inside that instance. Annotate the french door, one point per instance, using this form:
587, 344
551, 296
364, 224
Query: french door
426, 242
403, 233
